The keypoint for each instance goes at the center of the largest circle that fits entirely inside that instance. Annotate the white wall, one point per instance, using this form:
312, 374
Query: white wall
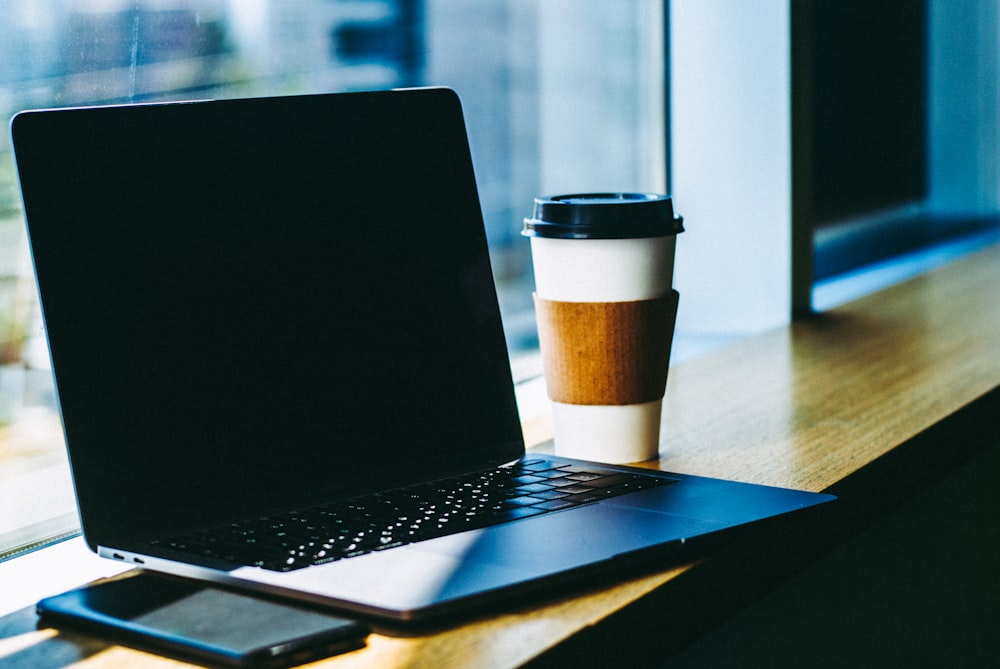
731, 163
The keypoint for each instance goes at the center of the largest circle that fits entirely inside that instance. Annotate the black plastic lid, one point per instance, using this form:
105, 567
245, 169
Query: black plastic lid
603, 216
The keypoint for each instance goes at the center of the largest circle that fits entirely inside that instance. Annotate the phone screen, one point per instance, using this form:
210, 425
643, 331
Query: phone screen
193, 620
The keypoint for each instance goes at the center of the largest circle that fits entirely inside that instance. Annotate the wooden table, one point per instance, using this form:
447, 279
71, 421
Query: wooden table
869, 401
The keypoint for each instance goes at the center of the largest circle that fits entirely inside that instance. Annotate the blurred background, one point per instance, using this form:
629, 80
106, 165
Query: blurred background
817, 150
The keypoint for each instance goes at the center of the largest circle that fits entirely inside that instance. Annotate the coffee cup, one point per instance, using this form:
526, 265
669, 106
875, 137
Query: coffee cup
606, 308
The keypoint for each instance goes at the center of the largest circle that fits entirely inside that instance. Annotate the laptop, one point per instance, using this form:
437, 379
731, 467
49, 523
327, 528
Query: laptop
274, 320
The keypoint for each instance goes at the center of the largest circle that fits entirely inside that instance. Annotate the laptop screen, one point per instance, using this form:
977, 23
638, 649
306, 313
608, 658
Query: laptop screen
257, 303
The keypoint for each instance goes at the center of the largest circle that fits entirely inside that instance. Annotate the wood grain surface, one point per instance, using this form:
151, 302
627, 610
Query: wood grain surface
804, 406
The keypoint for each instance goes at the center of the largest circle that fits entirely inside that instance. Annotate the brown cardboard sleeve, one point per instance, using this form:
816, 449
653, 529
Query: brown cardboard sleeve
613, 353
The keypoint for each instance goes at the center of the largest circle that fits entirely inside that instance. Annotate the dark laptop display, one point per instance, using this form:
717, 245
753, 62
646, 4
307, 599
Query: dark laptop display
255, 306
255, 303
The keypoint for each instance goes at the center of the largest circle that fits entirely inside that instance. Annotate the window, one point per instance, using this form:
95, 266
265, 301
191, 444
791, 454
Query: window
544, 115
779, 112
895, 124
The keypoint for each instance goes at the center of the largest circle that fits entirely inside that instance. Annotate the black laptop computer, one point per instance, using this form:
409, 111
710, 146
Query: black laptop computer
280, 362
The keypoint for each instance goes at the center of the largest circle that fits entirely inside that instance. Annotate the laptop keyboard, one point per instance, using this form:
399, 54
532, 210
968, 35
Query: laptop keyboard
384, 520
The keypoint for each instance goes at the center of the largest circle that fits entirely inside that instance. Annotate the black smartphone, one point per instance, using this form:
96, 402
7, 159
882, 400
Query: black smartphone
195, 621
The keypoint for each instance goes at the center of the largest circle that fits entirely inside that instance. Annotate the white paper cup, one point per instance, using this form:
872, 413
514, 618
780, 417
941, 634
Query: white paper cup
603, 294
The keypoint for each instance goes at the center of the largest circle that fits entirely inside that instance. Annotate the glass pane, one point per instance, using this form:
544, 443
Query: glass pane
558, 96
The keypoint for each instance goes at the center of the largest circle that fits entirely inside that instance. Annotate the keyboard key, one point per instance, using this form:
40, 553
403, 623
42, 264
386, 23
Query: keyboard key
531, 463
537, 466
559, 483
551, 494
584, 476
608, 481
532, 488
587, 497
524, 501
573, 469
519, 512
551, 474
576, 488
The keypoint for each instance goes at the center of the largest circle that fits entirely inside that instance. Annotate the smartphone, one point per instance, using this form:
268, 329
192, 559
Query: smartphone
195, 621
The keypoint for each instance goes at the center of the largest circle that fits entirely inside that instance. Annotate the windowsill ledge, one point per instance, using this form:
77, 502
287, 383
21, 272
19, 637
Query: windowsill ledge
868, 400
874, 401
807, 405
